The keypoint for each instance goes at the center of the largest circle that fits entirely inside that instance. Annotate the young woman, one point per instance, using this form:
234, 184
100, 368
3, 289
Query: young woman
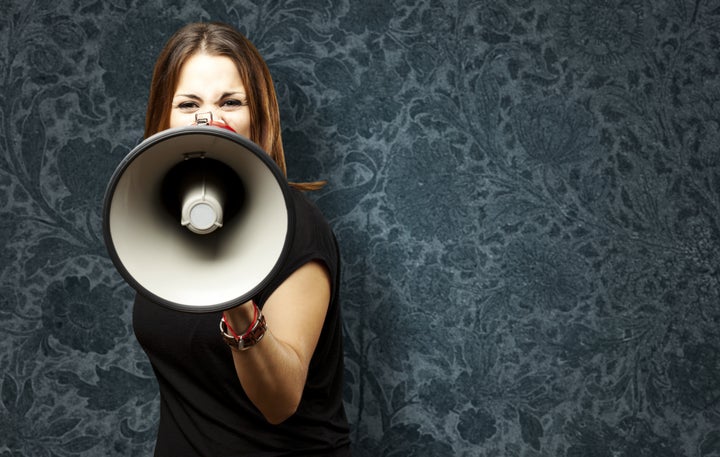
263, 378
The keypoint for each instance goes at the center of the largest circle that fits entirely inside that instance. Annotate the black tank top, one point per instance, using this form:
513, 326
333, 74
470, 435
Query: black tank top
203, 408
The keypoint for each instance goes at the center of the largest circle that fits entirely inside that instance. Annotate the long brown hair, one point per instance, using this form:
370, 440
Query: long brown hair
220, 39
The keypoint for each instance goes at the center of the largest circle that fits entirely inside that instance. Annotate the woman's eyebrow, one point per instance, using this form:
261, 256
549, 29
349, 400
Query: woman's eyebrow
191, 96
224, 95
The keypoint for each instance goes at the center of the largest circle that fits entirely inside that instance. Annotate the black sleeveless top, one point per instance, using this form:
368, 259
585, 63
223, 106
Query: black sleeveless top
203, 408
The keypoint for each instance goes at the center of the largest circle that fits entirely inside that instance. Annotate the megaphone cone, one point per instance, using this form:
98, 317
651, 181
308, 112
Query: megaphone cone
198, 218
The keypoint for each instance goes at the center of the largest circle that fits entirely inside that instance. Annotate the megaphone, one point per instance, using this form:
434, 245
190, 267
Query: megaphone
198, 218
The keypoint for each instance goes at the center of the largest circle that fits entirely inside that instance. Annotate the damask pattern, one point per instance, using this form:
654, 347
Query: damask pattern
526, 194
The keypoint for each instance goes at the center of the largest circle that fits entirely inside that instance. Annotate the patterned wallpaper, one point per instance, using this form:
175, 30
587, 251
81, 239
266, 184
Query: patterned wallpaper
526, 193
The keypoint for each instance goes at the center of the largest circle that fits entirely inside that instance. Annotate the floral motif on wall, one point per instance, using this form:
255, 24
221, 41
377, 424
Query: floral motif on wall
526, 194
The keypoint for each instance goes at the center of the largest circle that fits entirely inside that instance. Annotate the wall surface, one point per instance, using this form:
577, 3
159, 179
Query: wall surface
526, 192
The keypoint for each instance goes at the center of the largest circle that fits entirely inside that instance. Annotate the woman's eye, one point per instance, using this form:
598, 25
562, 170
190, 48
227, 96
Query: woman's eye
187, 106
234, 103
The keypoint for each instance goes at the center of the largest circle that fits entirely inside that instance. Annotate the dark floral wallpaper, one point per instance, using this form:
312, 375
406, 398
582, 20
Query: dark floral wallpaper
526, 192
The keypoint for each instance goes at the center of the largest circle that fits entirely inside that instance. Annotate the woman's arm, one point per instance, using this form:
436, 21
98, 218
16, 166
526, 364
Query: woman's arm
274, 371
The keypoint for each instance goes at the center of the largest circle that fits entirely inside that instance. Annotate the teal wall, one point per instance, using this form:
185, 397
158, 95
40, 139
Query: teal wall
526, 194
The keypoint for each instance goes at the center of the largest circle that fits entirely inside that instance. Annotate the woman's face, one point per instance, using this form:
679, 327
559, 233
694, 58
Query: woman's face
212, 84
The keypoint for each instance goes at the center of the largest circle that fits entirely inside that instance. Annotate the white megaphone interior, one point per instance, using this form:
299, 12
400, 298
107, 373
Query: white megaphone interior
187, 269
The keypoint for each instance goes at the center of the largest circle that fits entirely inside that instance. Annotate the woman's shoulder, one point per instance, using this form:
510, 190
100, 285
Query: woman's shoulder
305, 206
309, 219
312, 239
313, 235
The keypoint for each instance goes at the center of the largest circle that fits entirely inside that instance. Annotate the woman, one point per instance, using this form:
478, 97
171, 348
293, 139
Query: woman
269, 381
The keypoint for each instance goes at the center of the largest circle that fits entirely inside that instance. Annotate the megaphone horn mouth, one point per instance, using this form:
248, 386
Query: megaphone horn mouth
238, 205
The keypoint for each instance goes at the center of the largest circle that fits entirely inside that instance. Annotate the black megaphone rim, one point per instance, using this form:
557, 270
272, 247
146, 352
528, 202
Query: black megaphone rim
178, 132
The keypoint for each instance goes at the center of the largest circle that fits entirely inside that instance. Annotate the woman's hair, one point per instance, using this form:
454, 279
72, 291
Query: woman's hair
221, 40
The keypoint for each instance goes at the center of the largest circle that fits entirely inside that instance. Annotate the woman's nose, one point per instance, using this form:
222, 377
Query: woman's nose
218, 115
